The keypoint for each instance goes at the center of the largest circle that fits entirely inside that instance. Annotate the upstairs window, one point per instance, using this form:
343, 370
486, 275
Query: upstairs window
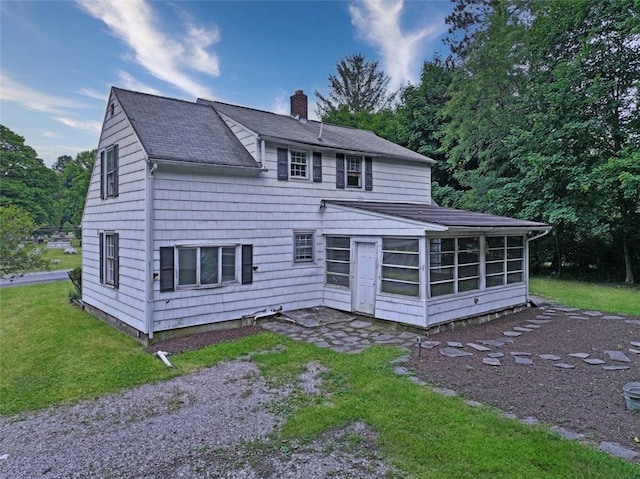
299, 165
109, 163
350, 169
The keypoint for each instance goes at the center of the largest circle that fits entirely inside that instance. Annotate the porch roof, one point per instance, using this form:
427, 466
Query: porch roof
447, 217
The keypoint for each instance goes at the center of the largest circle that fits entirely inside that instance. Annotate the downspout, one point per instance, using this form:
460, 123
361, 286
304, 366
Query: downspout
527, 241
149, 227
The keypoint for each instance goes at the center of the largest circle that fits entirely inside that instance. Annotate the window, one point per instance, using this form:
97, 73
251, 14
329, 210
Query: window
109, 258
401, 266
206, 265
303, 247
505, 260
454, 265
354, 171
109, 172
349, 172
299, 164
338, 260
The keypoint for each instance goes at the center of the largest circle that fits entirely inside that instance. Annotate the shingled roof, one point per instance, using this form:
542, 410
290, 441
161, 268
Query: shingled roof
448, 217
182, 131
285, 128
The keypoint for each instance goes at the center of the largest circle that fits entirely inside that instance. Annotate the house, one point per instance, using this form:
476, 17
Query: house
202, 213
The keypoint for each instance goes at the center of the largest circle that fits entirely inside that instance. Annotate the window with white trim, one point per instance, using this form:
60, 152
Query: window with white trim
454, 265
205, 265
109, 258
504, 260
354, 171
337, 260
299, 164
401, 266
303, 251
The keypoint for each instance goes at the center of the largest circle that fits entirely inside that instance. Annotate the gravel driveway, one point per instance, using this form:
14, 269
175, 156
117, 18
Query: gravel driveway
212, 423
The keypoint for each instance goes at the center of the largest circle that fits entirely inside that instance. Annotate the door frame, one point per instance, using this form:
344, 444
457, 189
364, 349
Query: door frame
354, 291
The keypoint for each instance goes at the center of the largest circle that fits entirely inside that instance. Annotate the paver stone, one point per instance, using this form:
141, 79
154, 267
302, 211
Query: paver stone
519, 353
495, 355
478, 347
512, 334
564, 366
617, 356
579, 355
522, 360
549, 357
454, 344
491, 361
454, 352
522, 329
615, 368
593, 361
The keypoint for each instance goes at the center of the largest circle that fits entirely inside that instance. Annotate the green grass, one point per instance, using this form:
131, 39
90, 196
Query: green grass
67, 261
612, 299
51, 352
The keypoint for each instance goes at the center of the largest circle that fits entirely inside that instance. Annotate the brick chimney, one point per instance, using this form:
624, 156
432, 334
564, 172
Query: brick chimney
299, 105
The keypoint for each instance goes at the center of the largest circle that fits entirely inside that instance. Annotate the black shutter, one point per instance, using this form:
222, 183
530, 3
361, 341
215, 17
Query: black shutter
101, 247
167, 277
340, 170
116, 260
116, 167
317, 167
368, 173
102, 167
283, 164
247, 263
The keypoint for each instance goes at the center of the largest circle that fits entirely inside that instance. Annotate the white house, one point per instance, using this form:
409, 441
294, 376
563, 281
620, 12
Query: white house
200, 214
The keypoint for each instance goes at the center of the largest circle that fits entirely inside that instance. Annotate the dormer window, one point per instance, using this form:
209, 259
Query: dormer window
299, 164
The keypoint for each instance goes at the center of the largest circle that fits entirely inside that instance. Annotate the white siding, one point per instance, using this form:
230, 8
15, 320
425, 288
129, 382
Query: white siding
124, 215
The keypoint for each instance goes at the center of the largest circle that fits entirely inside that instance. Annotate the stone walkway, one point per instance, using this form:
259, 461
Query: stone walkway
344, 333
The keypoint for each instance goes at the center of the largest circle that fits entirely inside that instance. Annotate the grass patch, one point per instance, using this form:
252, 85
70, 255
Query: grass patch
599, 297
66, 261
52, 352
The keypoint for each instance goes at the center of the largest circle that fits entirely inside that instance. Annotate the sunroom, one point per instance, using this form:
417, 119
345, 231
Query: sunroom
424, 265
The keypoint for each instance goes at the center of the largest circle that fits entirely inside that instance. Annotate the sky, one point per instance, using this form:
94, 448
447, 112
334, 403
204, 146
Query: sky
58, 59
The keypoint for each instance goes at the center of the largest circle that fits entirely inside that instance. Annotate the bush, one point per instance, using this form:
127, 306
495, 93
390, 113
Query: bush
75, 275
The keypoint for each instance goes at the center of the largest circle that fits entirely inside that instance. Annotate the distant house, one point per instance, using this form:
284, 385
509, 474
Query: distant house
200, 214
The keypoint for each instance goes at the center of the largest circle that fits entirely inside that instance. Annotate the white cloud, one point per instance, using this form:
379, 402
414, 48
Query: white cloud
131, 83
49, 134
166, 58
32, 99
378, 23
93, 94
281, 105
91, 126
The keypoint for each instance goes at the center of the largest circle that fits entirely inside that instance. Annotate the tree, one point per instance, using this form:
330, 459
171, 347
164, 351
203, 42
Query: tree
74, 178
25, 181
16, 225
61, 162
359, 86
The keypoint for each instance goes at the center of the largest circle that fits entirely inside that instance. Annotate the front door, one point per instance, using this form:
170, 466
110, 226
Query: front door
365, 290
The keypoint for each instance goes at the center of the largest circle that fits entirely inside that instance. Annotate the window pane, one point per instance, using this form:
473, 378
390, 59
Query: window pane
338, 242
514, 240
229, 264
497, 280
405, 289
468, 271
441, 274
333, 267
437, 245
400, 244
338, 254
401, 259
515, 253
468, 244
495, 255
337, 280
441, 259
468, 285
468, 257
495, 267
514, 265
208, 265
187, 266
495, 242
514, 278
402, 274
441, 289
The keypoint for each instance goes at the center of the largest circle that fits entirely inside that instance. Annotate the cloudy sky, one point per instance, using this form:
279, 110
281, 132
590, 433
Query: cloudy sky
58, 59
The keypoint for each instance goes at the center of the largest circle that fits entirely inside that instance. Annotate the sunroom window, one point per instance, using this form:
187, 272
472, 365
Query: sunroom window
454, 265
401, 266
505, 260
338, 260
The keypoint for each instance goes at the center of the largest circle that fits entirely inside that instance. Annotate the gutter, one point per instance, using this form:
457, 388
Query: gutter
240, 170
527, 241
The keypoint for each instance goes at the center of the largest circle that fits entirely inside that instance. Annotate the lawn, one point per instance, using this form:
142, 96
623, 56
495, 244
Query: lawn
590, 296
52, 352
66, 261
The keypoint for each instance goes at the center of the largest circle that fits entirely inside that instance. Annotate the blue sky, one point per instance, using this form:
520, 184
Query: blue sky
58, 59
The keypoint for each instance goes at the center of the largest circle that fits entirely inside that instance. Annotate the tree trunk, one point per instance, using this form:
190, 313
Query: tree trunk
628, 264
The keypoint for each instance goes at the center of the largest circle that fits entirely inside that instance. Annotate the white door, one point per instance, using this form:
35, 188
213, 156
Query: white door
365, 290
